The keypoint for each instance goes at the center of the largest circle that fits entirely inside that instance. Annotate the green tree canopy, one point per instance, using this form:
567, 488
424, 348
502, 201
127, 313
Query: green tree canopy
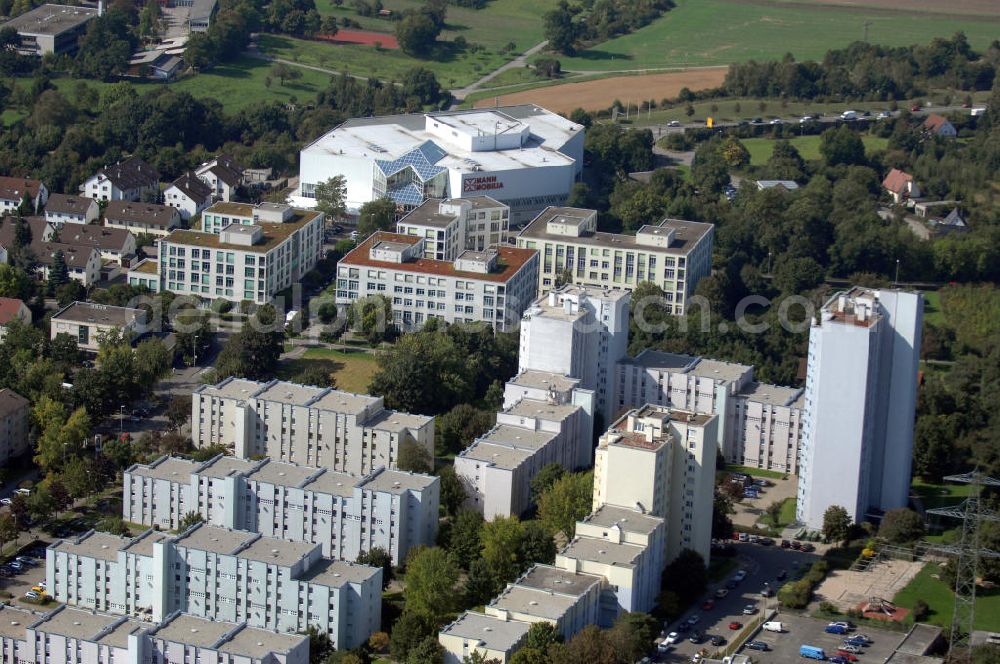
431, 577
568, 500
836, 523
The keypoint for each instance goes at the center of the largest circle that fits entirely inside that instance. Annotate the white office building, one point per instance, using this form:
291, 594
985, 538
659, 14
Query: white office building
493, 286
674, 254
449, 227
860, 400
221, 575
580, 332
522, 156
345, 514
312, 426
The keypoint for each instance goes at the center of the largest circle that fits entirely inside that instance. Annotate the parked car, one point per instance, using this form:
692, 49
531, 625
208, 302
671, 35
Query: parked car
785, 544
773, 626
812, 652
808, 548
717, 640
805, 118
744, 537
861, 637
835, 629
6, 501
856, 641
842, 623
797, 545
749, 609
849, 656
23, 492
708, 605
16, 565
674, 123
884, 114
766, 541
740, 575
731, 584
694, 619
696, 637
782, 575
672, 638
914, 108
735, 625
722, 593
31, 594
849, 649
758, 645
766, 591
837, 659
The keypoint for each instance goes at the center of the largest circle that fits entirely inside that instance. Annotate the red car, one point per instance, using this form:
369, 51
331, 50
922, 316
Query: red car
735, 625
915, 108
708, 605
850, 657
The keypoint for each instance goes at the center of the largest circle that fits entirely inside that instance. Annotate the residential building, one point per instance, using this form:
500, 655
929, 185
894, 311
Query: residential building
242, 262
661, 461
569, 601
188, 195
449, 227
760, 425
580, 332
313, 426
787, 185
88, 322
141, 218
674, 254
114, 244
345, 514
860, 401
146, 274
218, 574
14, 189
938, 125
221, 214
63, 209
70, 635
12, 309
522, 156
493, 286
201, 14
128, 180
900, 186
82, 263
496, 639
15, 424
223, 175
51, 28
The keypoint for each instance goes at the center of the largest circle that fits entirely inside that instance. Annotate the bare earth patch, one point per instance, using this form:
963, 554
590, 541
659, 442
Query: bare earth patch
601, 93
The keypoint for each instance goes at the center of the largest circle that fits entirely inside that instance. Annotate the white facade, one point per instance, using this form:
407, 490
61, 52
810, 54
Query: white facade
88, 322
219, 574
128, 180
860, 401
449, 227
346, 515
578, 332
523, 156
313, 426
492, 287
188, 195
674, 254
62, 209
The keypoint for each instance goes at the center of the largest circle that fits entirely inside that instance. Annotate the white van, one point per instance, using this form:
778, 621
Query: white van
773, 626
849, 115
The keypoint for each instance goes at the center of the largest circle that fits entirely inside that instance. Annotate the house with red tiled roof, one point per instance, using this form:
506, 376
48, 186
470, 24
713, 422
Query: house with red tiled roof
12, 309
493, 286
938, 125
900, 186
13, 190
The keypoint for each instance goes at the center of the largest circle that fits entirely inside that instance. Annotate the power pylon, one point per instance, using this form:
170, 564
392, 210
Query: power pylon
968, 553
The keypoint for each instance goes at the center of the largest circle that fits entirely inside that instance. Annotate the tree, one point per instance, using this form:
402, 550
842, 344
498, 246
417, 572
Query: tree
193, 334
456, 429
152, 361
64, 349
417, 34
476, 657
548, 475
686, 575
631, 635
773, 512
430, 577
284, 72
841, 145
60, 496
8, 530
559, 28
735, 153
179, 410
114, 525
901, 526
378, 642
794, 275
722, 507
537, 545
836, 524
58, 272
410, 629
331, 197
377, 215
501, 541
464, 537
79, 476
569, 500
428, 651
40, 503
60, 436
452, 491
421, 84
413, 457
378, 557
15, 282
371, 317
320, 646
188, 520
316, 374
253, 352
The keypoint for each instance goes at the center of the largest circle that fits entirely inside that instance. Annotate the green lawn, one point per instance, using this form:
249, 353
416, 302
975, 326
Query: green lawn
719, 32
787, 511
928, 587
932, 308
352, 371
940, 495
808, 146
755, 472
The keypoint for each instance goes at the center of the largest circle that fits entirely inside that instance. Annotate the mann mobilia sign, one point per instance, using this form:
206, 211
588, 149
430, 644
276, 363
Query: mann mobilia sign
481, 183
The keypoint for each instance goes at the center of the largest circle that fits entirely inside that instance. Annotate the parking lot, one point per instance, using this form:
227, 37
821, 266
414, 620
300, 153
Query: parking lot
17, 582
803, 630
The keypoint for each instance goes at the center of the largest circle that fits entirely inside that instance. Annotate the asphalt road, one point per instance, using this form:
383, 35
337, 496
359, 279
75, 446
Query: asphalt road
762, 564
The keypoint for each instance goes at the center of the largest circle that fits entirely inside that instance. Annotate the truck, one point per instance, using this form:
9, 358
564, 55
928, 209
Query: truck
849, 115
812, 652
773, 626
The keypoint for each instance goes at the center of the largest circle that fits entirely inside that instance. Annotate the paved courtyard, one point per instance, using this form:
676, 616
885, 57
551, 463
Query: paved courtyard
802, 630
749, 510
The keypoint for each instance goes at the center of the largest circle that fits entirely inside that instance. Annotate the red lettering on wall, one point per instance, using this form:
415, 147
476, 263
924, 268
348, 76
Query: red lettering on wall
481, 183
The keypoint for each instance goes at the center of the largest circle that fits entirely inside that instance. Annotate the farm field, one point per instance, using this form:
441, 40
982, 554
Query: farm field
719, 32
808, 146
601, 93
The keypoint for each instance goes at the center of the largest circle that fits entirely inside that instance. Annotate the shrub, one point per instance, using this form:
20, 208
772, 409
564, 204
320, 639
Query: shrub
920, 611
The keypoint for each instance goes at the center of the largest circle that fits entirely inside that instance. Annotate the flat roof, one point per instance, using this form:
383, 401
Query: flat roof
919, 640
426, 214
677, 414
533, 602
75, 623
147, 266
171, 468
13, 620
273, 235
51, 19
143, 544
656, 359
226, 466
509, 435
397, 481
334, 483
602, 551
542, 410
726, 371
277, 552
774, 395
336, 573
98, 314
118, 636
98, 545
229, 207
544, 380
509, 261
628, 520
290, 393
257, 643
489, 632
397, 421
199, 632
557, 580
281, 473
232, 388
345, 402
500, 456
687, 234
215, 539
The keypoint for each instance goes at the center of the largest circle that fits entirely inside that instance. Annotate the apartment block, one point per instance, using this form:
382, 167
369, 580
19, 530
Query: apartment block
345, 514
580, 332
760, 425
15, 413
312, 426
674, 254
494, 638
240, 261
860, 402
87, 323
450, 226
218, 574
492, 286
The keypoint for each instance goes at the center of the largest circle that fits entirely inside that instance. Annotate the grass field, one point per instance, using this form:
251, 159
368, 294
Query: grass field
939, 495
927, 586
754, 472
719, 32
352, 371
808, 146
932, 308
